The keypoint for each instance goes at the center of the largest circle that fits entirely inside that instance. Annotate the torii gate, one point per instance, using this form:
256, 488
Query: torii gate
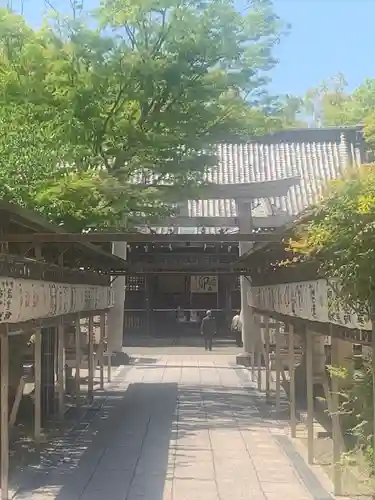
243, 194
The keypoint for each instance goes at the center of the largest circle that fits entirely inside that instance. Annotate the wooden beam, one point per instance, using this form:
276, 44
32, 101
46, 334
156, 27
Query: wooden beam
249, 190
220, 222
4, 375
191, 272
139, 237
244, 190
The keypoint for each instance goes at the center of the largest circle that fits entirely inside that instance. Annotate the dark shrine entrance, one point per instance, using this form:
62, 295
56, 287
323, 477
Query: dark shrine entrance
173, 301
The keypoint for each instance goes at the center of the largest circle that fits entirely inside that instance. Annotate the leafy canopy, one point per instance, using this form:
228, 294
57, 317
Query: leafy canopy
340, 234
112, 120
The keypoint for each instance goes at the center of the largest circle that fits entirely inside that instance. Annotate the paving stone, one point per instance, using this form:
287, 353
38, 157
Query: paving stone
239, 488
283, 490
190, 489
184, 428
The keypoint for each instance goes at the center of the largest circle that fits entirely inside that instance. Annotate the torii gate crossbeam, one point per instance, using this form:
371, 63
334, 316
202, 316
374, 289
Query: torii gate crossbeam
103, 237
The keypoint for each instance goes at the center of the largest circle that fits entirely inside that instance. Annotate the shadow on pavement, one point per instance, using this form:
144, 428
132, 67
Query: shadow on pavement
121, 453
196, 341
130, 449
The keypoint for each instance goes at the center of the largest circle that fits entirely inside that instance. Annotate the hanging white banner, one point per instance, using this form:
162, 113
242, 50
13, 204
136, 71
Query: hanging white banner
203, 284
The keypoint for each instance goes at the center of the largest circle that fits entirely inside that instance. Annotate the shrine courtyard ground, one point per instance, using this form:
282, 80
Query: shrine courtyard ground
178, 424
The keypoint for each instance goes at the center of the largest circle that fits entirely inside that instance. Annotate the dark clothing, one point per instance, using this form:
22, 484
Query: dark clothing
208, 343
238, 338
208, 327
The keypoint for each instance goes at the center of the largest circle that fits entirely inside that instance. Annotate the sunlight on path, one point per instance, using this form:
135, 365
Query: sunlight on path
176, 428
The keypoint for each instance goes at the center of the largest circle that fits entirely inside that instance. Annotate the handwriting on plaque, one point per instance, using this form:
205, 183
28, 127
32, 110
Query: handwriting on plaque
310, 300
203, 284
26, 299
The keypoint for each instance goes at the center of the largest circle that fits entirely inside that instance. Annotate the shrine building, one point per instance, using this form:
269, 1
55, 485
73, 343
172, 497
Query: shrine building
258, 186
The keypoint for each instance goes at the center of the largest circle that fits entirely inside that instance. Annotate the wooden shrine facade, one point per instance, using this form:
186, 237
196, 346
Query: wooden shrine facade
185, 281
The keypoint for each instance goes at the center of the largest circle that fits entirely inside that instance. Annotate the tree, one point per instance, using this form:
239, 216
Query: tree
326, 104
290, 111
331, 104
142, 97
340, 234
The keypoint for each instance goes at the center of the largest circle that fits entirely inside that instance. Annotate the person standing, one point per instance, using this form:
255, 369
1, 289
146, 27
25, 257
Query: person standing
236, 329
208, 330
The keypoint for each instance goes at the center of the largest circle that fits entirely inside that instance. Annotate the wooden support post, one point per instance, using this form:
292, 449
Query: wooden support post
267, 354
147, 305
278, 368
101, 349
4, 358
17, 402
373, 370
310, 396
38, 384
78, 360
253, 349
90, 388
292, 382
60, 369
336, 430
258, 333
109, 365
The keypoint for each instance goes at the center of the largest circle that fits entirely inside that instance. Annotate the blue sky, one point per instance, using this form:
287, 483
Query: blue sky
327, 37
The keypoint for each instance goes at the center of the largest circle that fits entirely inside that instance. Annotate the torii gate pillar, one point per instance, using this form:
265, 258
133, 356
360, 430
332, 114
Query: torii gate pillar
245, 226
116, 313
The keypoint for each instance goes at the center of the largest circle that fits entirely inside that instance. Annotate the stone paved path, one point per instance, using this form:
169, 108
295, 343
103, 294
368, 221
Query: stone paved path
175, 427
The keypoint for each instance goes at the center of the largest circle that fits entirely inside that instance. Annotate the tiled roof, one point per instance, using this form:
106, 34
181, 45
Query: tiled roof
316, 155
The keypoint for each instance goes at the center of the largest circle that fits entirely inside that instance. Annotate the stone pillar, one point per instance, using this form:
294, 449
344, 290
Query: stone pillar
245, 226
116, 313
246, 316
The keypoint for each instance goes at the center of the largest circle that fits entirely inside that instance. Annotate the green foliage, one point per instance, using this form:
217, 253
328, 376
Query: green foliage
326, 104
340, 234
136, 95
332, 104
356, 406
